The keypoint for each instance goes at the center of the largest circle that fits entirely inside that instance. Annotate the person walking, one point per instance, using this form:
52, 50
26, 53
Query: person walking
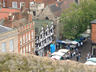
78, 55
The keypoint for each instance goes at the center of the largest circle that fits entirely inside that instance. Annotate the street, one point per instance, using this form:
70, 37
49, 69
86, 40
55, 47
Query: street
84, 51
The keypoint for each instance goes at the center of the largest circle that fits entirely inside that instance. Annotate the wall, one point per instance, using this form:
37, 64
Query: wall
6, 37
93, 34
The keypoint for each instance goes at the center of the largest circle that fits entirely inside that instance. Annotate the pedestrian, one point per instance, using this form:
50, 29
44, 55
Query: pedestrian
78, 55
88, 56
73, 54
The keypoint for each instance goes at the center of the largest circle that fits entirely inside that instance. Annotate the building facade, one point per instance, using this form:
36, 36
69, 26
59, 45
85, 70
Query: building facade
44, 39
22, 22
93, 36
8, 39
27, 3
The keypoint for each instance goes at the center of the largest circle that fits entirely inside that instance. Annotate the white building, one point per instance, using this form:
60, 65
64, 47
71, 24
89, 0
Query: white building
44, 37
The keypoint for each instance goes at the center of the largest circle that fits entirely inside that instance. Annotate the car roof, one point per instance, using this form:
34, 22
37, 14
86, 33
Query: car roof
56, 57
63, 50
58, 53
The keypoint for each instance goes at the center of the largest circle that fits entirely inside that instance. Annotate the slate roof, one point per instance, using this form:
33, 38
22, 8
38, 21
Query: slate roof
59, 7
93, 22
4, 29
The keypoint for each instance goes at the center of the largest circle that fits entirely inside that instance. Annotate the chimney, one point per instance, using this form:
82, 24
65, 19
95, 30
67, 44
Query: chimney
29, 17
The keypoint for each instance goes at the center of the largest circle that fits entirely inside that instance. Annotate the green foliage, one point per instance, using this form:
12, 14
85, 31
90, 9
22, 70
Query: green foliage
76, 19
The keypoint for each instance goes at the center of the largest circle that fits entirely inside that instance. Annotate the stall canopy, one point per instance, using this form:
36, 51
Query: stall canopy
67, 42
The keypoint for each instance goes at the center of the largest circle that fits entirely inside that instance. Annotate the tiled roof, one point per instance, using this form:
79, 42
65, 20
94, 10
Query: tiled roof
4, 29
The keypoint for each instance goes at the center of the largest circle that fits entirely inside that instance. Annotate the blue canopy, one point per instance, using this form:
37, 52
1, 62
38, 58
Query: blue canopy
59, 41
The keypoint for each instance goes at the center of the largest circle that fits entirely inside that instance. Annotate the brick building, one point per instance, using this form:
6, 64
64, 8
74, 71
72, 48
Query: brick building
93, 36
22, 22
27, 3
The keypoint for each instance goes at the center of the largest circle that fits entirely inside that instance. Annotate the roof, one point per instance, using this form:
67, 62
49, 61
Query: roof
8, 10
41, 23
3, 15
4, 29
4, 12
59, 7
93, 22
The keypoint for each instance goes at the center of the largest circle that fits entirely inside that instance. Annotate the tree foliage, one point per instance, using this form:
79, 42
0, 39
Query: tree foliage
76, 19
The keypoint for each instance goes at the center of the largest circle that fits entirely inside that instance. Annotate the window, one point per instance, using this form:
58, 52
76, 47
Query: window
23, 38
26, 37
23, 49
20, 40
3, 3
32, 34
14, 4
3, 47
46, 33
29, 48
41, 36
29, 35
32, 45
31, 4
22, 4
11, 45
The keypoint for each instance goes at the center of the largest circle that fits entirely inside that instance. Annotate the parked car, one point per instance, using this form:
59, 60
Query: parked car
57, 55
63, 50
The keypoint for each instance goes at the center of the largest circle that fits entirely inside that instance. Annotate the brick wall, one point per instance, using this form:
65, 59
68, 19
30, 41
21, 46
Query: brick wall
93, 33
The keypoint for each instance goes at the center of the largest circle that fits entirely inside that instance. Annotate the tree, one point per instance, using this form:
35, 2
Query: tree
76, 19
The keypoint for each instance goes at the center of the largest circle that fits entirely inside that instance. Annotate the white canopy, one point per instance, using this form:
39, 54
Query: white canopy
57, 53
63, 50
